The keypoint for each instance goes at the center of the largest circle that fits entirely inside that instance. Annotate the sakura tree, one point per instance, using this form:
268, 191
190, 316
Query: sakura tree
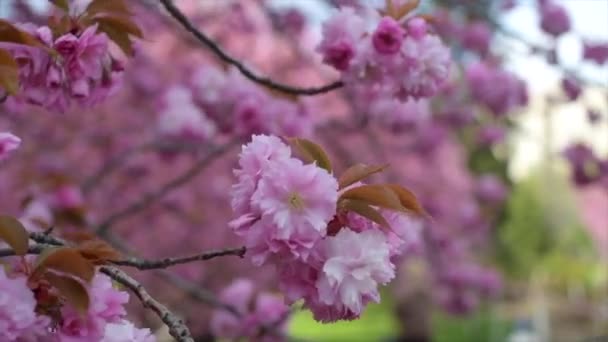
308, 169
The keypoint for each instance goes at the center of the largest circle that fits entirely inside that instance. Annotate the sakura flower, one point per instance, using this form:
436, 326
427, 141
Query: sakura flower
595, 51
427, 66
256, 311
341, 34
554, 19
299, 199
8, 143
254, 158
356, 263
125, 331
388, 36
83, 70
17, 305
107, 306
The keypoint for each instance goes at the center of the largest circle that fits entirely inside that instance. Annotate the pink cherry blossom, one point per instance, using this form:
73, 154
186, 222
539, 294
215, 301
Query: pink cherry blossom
554, 19
83, 72
125, 331
477, 37
355, 264
298, 200
17, 305
8, 143
253, 160
341, 34
595, 51
107, 306
256, 310
427, 66
388, 36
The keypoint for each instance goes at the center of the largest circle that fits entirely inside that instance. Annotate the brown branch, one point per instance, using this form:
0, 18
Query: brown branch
141, 264
168, 187
224, 56
177, 327
112, 164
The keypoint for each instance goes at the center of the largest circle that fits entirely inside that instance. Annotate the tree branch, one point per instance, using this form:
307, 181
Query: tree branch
153, 196
177, 327
141, 264
224, 56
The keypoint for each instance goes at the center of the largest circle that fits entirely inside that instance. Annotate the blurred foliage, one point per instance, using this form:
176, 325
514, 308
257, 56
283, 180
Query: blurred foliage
376, 324
481, 326
542, 232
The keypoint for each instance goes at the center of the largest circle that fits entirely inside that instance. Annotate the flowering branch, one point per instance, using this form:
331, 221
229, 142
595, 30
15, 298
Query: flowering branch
168, 262
153, 196
177, 328
224, 56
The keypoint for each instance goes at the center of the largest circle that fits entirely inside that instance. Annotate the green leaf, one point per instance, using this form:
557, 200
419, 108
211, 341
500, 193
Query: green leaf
14, 234
376, 194
66, 260
71, 289
311, 152
359, 172
366, 211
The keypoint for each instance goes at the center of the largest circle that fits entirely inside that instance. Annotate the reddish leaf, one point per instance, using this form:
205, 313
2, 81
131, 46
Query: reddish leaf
390, 8
408, 199
14, 234
120, 38
359, 172
9, 73
79, 236
60, 25
71, 289
366, 211
107, 6
63, 4
376, 194
66, 260
98, 252
10, 33
120, 24
311, 152
407, 7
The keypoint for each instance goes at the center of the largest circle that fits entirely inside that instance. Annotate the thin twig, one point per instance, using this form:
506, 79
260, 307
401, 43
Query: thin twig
142, 264
113, 163
177, 327
224, 56
154, 196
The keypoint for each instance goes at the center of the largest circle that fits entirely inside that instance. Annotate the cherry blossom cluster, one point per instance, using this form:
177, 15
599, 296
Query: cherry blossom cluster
258, 313
388, 57
497, 89
212, 102
61, 70
29, 312
287, 214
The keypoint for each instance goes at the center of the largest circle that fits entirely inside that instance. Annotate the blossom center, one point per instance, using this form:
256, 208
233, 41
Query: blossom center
295, 201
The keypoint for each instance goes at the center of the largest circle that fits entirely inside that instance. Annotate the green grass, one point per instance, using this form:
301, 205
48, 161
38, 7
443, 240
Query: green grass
377, 323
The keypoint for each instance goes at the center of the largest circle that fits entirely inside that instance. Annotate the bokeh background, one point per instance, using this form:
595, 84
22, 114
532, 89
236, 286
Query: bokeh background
505, 197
